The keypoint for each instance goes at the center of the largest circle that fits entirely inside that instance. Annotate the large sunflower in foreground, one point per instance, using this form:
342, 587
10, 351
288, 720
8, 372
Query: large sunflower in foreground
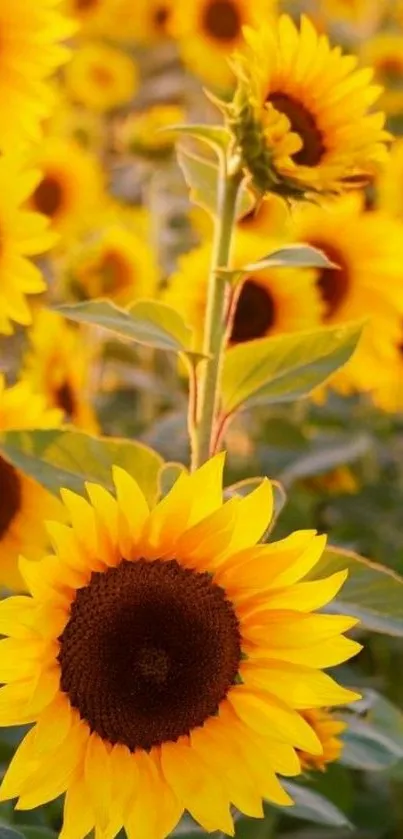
24, 505
117, 263
301, 124
58, 365
167, 659
71, 190
31, 50
22, 234
367, 247
101, 77
269, 302
208, 31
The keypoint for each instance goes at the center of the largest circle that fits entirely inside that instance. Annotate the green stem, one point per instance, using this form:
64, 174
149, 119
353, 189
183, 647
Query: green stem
215, 324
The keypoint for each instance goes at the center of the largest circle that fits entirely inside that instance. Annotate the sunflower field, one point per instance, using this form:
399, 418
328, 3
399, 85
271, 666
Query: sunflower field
201, 419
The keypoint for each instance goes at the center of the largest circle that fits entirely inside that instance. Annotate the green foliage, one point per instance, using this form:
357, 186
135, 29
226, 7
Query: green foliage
215, 136
277, 370
291, 256
146, 322
201, 176
62, 458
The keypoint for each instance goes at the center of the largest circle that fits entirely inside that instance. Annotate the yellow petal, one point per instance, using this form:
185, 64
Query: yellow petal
297, 686
107, 522
16, 615
82, 518
19, 658
97, 774
14, 709
168, 520
54, 724
294, 570
20, 767
305, 597
145, 819
284, 629
327, 653
267, 715
205, 486
198, 790
68, 548
203, 543
133, 509
78, 816
253, 516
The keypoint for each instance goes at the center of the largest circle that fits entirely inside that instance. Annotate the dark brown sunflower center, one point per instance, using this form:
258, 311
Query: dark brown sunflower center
255, 313
222, 20
65, 399
114, 272
10, 495
48, 196
333, 283
149, 652
304, 124
161, 17
85, 5
391, 70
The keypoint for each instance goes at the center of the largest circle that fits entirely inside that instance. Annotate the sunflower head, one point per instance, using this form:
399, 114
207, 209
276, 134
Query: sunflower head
143, 133
173, 655
328, 730
101, 77
303, 127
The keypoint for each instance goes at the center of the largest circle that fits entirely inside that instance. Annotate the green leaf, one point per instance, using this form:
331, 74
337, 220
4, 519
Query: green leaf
270, 371
201, 176
147, 322
168, 475
372, 592
291, 256
62, 458
37, 832
313, 807
326, 453
247, 485
216, 136
10, 833
368, 747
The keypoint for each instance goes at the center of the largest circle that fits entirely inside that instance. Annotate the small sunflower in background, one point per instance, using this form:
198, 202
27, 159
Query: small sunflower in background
300, 125
367, 247
173, 655
151, 20
328, 730
360, 16
31, 51
122, 20
24, 505
101, 77
389, 184
384, 52
389, 395
208, 31
23, 234
268, 302
115, 263
71, 190
143, 133
58, 365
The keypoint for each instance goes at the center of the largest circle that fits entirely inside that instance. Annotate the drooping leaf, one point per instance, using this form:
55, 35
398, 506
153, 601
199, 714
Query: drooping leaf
201, 176
10, 833
372, 592
147, 322
313, 807
67, 458
276, 370
216, 136
291, 256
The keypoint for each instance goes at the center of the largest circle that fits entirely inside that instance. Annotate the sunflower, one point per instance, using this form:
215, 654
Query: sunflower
117, 263
268, 218
24, 505
58, 365
70, 191
389, 185
361, 14
101, 77
269, 302
146, 21
384, 52
328, 729
367, 247
31, 36
304, 125
22, 234
166, 658
208, 31
142, 133
389, 395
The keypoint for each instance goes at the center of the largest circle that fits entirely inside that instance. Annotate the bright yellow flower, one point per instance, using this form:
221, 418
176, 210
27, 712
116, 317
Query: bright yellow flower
328, 730
101, 77
208, 31
142, 133
384, 52
270, 302
122, 20
368, 248
389, 395
24, 505
172, 656
58, 365
389, 186
23, 234
31, 50
117, 263
304, 124
363, 15
70, 192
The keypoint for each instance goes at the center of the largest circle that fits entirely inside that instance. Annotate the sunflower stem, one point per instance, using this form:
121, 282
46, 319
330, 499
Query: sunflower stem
230, 177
